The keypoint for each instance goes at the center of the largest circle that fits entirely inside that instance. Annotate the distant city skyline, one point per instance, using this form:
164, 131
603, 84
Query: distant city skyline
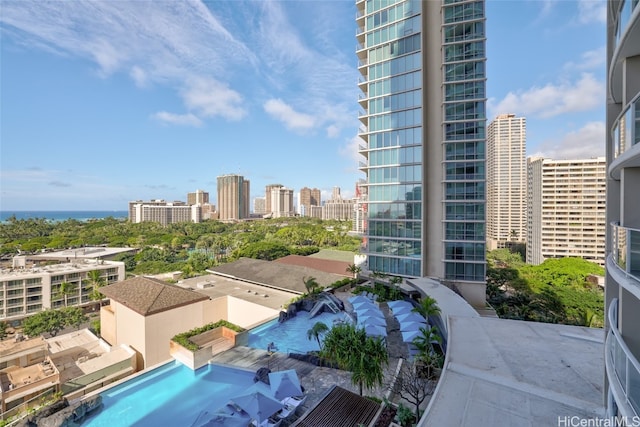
179, 93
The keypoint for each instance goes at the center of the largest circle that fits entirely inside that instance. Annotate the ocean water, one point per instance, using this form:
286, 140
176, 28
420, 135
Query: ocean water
63, 215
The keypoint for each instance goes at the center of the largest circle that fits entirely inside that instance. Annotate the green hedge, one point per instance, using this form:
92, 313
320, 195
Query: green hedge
183, 338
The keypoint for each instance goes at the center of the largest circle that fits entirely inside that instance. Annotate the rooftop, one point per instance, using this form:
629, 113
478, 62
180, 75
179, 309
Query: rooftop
215, 286
321, 264
274, 274
81, 253
148, 296
78, 265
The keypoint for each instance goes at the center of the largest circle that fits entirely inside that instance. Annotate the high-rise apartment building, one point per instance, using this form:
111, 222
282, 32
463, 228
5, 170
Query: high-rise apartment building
309, 197
280, 201
566, 209
233, 197
506, 181
260, 205
199, 197
423, 137
267, 195
164, 212
622, 292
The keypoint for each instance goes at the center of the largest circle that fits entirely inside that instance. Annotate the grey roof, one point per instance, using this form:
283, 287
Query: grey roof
274, 274
148, 296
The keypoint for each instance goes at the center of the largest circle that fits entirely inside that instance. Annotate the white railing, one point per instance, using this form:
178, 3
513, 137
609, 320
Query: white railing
625, 365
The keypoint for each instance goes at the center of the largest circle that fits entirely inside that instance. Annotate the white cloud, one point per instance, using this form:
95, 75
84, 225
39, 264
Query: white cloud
292, 119
590, 11
589, 60
553, 99
210, 98
160, 42
178, 119
351, 149
586, 142
139, 76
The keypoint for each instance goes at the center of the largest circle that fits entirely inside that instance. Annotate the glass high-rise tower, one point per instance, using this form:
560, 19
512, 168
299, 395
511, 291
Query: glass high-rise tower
423, 132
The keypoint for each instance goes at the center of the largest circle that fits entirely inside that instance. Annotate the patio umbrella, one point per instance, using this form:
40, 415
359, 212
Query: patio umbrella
358, 298
285, 384
397, 304
369, 312
410, 317
258, 405
403, 309
366, 303
409, 336
375, 331
411, 326
372, 320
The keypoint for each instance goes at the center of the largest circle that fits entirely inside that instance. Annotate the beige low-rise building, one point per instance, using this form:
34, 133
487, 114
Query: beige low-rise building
146, 313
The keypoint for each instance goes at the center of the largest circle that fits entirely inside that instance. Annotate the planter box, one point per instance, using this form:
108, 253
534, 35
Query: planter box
208, 342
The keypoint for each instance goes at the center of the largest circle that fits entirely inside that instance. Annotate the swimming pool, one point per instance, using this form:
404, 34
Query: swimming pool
171, 395
290, 336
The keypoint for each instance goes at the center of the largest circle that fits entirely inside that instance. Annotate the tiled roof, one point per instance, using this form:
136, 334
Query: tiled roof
340, 408
148, 296
278, 275
326, 265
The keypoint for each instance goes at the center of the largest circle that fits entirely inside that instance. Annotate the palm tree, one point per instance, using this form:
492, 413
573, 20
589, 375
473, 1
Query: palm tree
310, 284
354, 269
64, 290
428, 307
351, 348
316, 331
96, 281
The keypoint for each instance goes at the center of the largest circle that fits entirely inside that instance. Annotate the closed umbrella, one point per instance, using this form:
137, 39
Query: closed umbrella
285, 384
258, 405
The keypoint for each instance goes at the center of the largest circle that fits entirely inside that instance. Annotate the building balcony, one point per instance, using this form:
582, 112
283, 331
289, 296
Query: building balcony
626, 250
622, 368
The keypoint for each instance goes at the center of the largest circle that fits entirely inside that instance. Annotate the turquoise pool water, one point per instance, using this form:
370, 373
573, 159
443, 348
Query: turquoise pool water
290, 336
171, 395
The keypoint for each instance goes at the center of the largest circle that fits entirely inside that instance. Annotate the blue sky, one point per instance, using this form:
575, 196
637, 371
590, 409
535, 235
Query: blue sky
105, 102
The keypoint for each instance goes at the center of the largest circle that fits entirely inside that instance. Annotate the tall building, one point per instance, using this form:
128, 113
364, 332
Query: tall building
622, 296
309, 197
260, 205
280, 201
423, 137
199, 197
506, 181
267, 195
566, 209
233, 197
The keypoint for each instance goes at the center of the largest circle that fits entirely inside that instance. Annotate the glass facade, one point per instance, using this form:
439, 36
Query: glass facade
391, 48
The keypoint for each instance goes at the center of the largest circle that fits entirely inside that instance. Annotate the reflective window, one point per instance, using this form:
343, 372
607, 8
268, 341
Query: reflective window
463, 51
465, 171
464, 130
464, 71
465, 150
464, 190
464, 211
464, 12
465, 271
462, 91
465, 31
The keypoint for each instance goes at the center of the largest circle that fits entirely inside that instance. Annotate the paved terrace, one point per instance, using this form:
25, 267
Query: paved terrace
513, 373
